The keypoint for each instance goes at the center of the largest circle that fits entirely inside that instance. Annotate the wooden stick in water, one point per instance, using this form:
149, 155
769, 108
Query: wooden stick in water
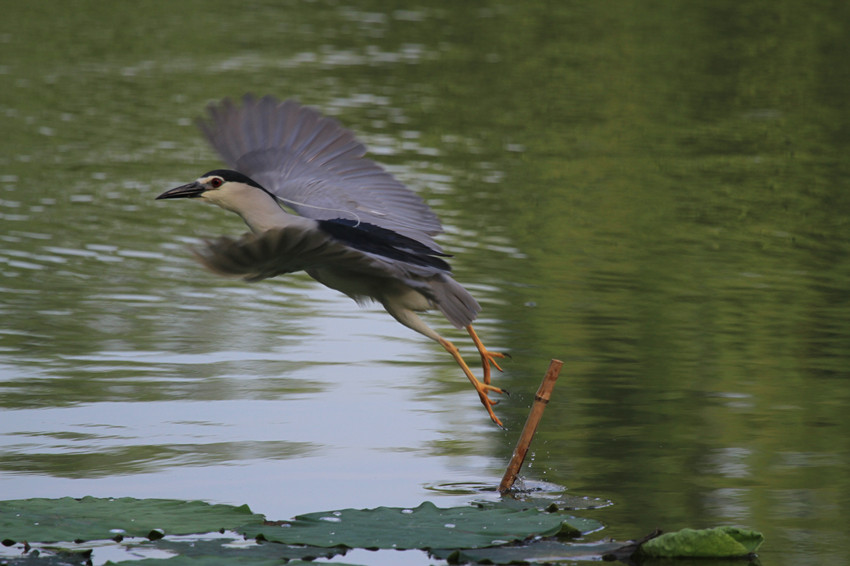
541, 399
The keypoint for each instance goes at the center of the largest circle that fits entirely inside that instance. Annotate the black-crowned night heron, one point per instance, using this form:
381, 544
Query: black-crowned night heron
357, 229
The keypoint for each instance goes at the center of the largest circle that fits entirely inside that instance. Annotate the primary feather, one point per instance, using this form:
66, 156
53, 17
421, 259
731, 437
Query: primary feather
315, 166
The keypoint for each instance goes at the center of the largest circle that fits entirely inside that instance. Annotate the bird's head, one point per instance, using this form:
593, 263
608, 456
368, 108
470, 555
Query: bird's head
227, 188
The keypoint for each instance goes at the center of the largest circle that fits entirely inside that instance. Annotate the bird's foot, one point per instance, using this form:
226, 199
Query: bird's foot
489, 358
483, 390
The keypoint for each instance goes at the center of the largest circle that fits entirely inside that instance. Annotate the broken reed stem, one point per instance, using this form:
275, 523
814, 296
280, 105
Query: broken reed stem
541, 399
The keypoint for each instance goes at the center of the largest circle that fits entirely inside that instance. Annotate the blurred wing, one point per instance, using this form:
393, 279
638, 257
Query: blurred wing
267, 254
295, 248
315, 166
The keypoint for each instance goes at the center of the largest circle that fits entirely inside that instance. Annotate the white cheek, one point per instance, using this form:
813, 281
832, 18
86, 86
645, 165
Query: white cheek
226, 199
213, 196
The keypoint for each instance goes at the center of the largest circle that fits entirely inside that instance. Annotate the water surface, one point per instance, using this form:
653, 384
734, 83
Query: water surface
656, 195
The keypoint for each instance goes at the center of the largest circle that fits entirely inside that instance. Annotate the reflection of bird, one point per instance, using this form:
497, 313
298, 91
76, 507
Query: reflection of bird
358, 229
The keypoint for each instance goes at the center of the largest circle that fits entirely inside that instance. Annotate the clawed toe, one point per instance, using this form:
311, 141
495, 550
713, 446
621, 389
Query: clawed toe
488, 359
483, 389
489, 404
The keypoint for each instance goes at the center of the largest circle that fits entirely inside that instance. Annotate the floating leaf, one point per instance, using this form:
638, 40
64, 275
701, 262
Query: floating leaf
219, 552
60, 558
90, 518
424, 527
719, 542
544, 551
562, 502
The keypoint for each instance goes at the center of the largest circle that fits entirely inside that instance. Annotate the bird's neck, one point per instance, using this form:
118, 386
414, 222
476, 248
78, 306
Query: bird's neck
262, 218
258, 209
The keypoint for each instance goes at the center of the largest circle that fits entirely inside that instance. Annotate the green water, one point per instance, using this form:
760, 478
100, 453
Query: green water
654, 193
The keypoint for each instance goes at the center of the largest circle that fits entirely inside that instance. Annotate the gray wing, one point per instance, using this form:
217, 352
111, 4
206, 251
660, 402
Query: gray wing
257, 256
314, 166
295, 248
254, 257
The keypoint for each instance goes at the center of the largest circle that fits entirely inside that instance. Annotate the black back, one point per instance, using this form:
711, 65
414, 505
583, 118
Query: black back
383, 242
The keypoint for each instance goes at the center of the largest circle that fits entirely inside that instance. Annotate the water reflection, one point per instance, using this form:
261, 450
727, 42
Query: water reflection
113, 438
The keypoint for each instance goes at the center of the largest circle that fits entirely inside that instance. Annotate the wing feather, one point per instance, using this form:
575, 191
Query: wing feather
256, 256
315, 166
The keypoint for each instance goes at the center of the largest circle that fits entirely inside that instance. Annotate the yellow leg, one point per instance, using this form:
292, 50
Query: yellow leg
482, 388
410, 319
487, 357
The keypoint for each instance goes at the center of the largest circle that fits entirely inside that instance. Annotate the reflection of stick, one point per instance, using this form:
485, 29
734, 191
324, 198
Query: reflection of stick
540, 401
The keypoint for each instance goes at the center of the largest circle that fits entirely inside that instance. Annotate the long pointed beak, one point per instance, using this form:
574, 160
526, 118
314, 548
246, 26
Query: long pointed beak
189, 190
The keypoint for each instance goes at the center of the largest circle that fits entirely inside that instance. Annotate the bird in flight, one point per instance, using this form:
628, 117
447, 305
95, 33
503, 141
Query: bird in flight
352, 227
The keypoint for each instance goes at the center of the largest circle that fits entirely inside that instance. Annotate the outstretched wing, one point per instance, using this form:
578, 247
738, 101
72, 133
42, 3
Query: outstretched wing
254, 257
257, 256
315, 166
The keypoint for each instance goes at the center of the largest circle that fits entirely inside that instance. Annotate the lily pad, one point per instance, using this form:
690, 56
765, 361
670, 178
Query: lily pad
424, 527
537, 552
214, 552
49, 559
493, 533
91, 518
719, 542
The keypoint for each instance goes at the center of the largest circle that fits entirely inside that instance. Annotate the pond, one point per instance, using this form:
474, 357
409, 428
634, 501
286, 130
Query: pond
655, 194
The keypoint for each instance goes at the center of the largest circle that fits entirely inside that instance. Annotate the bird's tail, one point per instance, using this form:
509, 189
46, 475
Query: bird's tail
455, 302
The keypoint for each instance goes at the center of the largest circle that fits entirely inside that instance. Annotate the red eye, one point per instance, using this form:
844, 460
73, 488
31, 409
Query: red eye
216, 182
